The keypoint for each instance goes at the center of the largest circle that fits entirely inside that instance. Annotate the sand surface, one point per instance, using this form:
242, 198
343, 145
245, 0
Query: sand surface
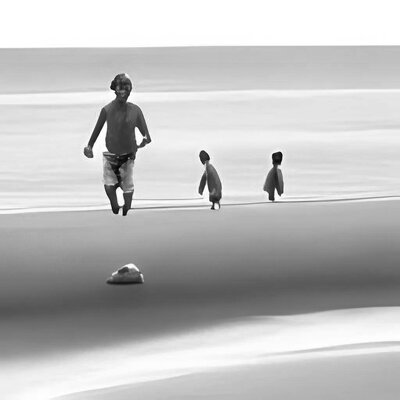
202, 270
351, 377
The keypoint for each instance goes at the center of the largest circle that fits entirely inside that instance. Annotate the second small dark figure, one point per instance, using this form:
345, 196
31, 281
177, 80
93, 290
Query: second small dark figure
210, 177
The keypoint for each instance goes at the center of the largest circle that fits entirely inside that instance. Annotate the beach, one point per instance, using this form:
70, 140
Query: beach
367, 377
269, 271
296, 299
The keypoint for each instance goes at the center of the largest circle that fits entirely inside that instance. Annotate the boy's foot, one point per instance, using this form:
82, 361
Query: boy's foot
213, 207
125, 210
127, 203
112, 196
115, 210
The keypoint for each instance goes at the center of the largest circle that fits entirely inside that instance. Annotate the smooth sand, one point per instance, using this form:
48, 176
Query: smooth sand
201, 268
358, 377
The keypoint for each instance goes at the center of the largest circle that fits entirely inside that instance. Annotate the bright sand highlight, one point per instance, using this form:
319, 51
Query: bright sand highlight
255, 341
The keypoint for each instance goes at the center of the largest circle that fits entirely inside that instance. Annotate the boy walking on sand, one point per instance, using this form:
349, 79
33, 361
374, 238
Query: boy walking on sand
274, 179
122, 118
210, 177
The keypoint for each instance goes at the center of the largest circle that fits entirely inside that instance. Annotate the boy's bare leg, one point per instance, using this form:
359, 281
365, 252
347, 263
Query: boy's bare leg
111, 192
213, 206
128, 202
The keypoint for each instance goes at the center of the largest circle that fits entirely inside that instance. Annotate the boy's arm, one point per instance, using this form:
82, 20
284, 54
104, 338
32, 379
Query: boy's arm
202, 183
142, 126
96, 131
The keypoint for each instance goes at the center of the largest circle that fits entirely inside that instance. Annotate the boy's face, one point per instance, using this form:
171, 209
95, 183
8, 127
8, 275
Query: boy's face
123, 90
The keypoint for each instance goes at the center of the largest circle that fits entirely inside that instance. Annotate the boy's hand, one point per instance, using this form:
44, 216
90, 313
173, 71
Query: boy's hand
88, 152
144, 142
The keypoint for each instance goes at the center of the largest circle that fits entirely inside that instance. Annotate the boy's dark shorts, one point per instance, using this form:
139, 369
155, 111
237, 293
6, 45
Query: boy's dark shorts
118, 170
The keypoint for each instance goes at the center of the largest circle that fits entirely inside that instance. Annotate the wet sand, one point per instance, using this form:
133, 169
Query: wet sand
201, 269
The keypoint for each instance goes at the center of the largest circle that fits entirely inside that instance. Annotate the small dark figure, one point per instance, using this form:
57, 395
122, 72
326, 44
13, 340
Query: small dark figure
122, 118
274, 179
210, 177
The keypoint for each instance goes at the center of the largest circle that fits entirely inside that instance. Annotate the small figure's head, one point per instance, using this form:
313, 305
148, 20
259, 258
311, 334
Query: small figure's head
277, 158
204, 157
122, 86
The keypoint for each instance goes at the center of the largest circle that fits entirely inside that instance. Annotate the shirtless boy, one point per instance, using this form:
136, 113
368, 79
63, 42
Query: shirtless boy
122, 118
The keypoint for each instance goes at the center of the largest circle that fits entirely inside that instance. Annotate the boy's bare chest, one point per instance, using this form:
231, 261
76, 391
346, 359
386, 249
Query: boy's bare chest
121, 117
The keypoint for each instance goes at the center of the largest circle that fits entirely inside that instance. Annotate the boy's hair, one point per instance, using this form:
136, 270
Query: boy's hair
277, 158
120, 78
204, 156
